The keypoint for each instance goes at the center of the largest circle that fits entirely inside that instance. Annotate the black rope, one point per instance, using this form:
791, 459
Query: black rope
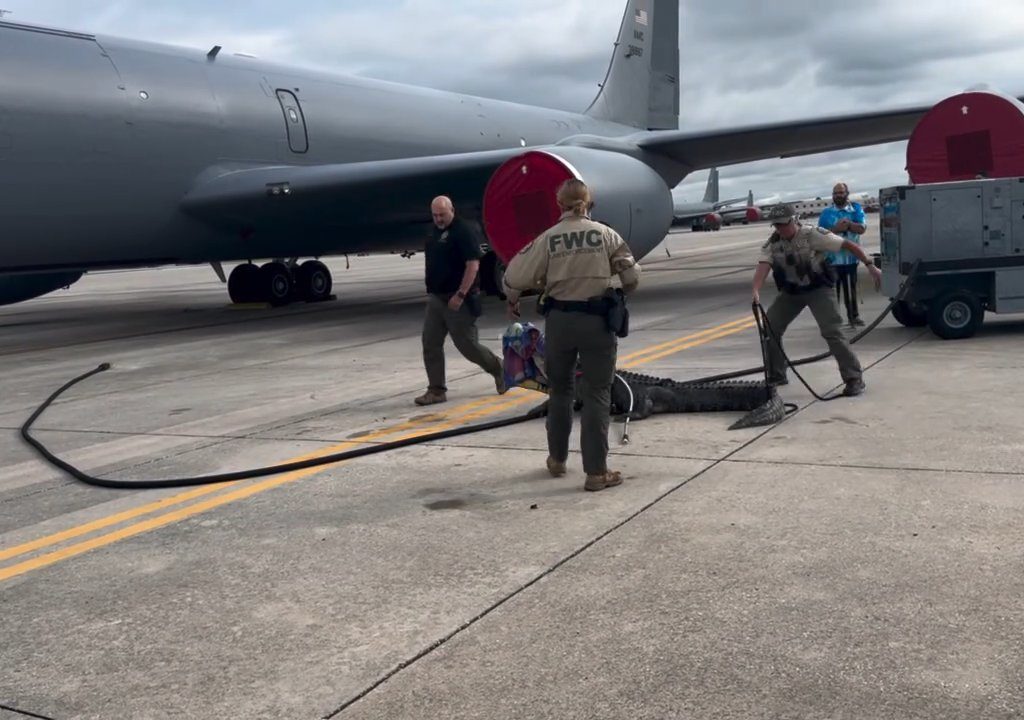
67, 467
764, 328
904, 289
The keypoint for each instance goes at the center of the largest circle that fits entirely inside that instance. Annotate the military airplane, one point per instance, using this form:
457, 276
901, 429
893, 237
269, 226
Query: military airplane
116, 153
712, 213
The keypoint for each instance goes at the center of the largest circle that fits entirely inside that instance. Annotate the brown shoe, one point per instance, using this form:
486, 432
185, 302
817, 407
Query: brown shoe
556, 468
431, 397
610, 478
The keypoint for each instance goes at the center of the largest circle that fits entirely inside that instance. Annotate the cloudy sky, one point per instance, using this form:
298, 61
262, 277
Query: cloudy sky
743, 61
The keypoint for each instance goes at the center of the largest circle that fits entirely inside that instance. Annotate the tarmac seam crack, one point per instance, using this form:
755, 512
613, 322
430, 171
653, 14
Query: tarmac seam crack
522, 588
851, 466
26, 713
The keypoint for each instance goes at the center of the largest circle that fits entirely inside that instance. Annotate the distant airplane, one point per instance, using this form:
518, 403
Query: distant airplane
811, 207
116, 153
712, 213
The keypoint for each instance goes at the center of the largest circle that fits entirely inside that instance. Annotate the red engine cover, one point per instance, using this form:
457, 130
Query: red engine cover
753, 214
519, 201
966, 135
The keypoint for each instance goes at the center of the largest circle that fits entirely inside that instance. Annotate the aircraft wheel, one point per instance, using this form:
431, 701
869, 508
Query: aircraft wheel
277, 284
313, 281
244, 284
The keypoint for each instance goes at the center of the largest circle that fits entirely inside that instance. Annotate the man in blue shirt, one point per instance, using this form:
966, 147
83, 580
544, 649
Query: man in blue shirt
845, 219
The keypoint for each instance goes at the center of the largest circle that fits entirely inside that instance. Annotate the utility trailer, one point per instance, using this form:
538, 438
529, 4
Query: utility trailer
969, 239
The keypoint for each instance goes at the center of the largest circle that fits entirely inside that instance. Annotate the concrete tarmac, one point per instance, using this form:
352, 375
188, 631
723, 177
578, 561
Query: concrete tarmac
862, 559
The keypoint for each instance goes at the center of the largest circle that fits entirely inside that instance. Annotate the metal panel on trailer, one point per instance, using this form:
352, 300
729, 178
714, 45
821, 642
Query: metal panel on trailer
957, 224
1009, 291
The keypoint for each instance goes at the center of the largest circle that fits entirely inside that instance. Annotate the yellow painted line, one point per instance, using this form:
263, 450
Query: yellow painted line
172, 517
683, 340
686, 346
108, 521
477, 409
167, 502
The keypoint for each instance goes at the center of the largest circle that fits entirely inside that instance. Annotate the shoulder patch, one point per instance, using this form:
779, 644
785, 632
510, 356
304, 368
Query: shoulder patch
822, 231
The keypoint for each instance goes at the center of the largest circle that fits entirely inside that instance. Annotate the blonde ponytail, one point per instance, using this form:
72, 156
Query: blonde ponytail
574, 196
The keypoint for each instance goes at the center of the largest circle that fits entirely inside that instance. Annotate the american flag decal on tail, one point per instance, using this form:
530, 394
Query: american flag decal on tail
641, 17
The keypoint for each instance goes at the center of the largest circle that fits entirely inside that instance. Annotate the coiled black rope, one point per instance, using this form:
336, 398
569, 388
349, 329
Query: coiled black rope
67, 467
904, 289
538, 412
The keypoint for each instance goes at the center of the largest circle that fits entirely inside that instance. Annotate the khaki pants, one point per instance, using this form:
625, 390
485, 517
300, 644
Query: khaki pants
825, 309
568, 336
441, 321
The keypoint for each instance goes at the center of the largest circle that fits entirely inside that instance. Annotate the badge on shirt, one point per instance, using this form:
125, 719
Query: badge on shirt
444, 236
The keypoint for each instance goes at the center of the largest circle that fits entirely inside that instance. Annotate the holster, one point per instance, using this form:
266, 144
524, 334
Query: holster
617, 313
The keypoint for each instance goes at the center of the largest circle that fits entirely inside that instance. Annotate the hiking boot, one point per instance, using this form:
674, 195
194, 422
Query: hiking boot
431, 397
856, 322
609, 478
555, 468
853, 387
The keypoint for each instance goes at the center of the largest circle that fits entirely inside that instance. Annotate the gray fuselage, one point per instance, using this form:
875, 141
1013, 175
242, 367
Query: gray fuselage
100, 138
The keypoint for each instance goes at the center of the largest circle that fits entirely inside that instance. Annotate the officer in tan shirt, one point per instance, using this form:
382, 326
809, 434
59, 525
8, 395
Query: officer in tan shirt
796, 256
570, 263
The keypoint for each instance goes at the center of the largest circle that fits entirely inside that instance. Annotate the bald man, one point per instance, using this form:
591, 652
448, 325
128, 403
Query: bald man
847, 220
453, 300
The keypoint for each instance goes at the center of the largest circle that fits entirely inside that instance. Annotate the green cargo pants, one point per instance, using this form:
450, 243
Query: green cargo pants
825, 309
568, 335
441, 321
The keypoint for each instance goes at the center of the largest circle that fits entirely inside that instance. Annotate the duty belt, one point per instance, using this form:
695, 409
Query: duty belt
581, 306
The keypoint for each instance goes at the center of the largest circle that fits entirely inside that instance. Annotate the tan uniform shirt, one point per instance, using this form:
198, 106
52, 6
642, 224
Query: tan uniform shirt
801, 260
574, 260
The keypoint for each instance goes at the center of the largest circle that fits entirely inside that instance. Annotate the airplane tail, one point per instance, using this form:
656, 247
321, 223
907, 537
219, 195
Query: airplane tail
641, 88
711, 191
750, 198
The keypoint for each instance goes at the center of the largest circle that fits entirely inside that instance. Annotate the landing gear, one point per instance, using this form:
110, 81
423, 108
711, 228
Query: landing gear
244, 284
276, 281
313, 281
278, 284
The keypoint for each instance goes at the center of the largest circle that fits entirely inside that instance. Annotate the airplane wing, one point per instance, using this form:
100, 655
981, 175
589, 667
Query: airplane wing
698, 150
324, 198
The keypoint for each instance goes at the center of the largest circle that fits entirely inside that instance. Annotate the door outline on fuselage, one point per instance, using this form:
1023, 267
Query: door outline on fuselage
294, 121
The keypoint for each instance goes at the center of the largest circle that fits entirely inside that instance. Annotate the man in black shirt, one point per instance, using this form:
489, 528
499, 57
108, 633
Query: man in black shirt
453, 300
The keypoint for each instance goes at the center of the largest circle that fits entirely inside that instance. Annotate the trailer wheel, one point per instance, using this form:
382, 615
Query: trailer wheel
907, 316
956, 314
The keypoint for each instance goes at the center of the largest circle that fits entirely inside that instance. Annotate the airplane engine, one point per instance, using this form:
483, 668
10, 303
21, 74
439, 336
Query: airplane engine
16, 288
753, 214
712, 221
519, 201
